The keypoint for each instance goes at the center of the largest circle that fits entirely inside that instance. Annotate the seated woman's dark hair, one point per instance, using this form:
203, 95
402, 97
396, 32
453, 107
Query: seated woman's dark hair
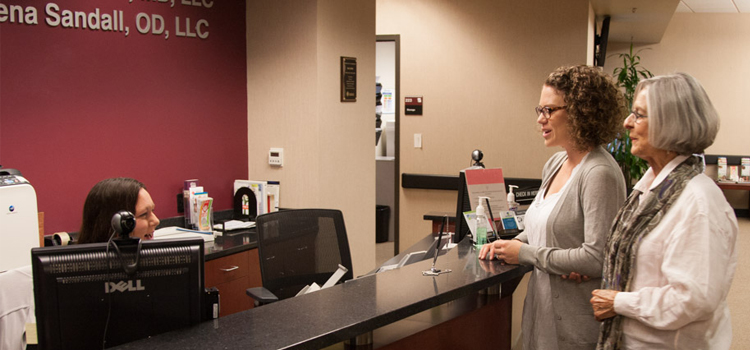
104, 200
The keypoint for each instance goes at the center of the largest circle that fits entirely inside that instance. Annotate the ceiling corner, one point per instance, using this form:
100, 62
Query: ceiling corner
639, 21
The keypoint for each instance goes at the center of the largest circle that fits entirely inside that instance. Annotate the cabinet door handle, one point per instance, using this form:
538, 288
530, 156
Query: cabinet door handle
230, 268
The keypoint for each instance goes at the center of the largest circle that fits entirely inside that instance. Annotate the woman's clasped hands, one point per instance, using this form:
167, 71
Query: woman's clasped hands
506, 250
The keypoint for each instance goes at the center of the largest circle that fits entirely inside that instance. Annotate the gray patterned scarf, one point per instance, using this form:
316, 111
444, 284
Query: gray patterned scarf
632, 224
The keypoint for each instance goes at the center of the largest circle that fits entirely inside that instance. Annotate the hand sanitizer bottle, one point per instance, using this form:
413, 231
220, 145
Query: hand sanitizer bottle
512, 205
482, 223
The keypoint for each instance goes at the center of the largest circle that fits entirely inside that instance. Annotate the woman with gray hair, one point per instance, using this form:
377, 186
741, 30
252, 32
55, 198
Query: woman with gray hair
670, 257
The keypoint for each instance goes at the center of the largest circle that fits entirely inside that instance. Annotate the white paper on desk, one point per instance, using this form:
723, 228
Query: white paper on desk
235, 225
309, 289
336, 277
173, 232
471, 220
314, 287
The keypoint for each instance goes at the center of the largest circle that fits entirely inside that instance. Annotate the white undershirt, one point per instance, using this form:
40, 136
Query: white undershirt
542, 334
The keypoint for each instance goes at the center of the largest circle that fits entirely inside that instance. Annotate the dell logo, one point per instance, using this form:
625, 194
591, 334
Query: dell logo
122, 286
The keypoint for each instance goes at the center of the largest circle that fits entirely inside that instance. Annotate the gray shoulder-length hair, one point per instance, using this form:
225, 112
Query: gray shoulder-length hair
681, 117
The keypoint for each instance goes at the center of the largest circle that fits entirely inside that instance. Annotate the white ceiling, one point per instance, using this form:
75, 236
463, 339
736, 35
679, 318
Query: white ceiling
645, 21
714, 6
639, 21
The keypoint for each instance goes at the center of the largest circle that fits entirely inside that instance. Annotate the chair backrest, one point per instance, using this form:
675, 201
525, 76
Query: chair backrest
300, 246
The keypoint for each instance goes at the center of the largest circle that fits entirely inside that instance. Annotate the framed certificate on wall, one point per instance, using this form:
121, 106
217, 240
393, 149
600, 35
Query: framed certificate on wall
348, 79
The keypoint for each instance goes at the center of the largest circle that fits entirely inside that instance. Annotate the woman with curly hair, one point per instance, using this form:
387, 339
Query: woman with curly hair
580, 109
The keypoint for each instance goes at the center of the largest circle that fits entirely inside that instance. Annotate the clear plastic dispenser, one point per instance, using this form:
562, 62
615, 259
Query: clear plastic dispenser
512, 204
482, 223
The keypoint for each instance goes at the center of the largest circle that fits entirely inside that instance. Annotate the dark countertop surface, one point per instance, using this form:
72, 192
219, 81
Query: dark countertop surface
438, 215
344, 311
231, 243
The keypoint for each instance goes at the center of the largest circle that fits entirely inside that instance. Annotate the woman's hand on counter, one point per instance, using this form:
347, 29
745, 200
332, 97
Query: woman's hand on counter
501, 249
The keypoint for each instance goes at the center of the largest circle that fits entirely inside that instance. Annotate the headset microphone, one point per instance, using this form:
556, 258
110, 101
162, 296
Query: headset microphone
123, 222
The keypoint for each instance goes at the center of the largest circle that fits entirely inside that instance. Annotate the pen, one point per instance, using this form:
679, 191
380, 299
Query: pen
195, 231
492, 220
440, 239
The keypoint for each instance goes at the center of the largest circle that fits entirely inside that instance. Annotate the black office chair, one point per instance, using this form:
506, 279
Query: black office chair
298, 247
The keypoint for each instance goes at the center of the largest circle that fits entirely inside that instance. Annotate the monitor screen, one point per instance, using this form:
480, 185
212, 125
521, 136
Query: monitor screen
462, 204
85, 299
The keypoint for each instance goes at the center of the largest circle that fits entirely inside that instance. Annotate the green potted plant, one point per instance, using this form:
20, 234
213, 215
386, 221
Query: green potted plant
628, 76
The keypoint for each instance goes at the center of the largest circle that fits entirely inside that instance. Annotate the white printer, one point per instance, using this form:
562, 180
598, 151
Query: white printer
19, 223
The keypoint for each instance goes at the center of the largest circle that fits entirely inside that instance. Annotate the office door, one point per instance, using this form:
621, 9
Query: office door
387, 149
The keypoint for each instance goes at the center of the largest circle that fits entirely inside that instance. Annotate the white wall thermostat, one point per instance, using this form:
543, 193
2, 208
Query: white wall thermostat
276, 157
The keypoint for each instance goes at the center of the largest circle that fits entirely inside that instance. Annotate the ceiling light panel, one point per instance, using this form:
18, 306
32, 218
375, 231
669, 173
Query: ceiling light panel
743, 5
717, 6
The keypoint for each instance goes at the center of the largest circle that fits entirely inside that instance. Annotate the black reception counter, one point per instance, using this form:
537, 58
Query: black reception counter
346, 310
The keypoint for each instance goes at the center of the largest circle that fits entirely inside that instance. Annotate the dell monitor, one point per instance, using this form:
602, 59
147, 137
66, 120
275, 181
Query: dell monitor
85, 299
462, 204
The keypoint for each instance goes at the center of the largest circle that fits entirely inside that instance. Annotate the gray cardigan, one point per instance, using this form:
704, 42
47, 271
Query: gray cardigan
577, 230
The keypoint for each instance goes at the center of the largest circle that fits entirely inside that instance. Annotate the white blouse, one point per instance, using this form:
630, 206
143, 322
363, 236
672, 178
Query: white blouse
683, 271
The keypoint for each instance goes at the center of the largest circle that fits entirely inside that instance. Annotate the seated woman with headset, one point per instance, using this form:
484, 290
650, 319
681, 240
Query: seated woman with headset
107, 198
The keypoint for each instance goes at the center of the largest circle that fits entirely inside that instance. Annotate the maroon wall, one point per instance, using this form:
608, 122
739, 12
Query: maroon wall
79, 105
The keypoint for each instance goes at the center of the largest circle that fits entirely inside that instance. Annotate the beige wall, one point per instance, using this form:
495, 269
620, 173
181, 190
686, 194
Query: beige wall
714, 48
293, 51
480, 66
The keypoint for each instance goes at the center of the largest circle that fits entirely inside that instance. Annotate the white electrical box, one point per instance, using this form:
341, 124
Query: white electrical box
276, 157
19, 223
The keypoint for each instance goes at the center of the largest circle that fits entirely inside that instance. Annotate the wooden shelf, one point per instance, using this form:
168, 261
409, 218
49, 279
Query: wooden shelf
734, 186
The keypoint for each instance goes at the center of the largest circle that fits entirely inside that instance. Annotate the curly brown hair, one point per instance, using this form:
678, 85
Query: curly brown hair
595, 104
